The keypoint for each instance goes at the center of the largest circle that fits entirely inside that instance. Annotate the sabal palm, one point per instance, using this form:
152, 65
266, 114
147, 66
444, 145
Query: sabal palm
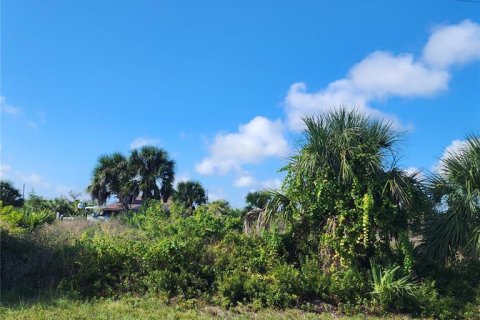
154, 172
352, 146
455, 189
190, 193
343, 194
113, 176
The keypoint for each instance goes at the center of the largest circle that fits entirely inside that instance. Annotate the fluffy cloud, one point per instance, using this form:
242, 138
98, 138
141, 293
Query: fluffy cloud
382, 75
454, 147
300, 103
377, 77
143, 141
258, 139
454, 44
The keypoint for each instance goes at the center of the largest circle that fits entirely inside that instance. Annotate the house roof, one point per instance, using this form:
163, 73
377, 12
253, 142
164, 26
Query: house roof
117, 206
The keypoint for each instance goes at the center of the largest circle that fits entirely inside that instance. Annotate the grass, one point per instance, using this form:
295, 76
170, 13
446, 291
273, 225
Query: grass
150, 308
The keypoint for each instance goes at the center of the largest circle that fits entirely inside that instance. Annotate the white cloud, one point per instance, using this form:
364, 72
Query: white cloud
211, 165
453, 44
7, 108
453, 148
340, 94
143, 141
245, 180
258, 139
382, 75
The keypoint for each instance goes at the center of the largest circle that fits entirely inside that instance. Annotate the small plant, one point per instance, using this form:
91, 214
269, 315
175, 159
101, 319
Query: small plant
25, 219
388, 288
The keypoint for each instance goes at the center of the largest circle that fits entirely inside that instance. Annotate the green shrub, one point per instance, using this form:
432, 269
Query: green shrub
285, 287
24, 219
279, 288
348, 286
107, 265
314, 282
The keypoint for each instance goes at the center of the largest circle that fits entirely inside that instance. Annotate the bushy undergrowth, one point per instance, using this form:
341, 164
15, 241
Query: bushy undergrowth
206, 255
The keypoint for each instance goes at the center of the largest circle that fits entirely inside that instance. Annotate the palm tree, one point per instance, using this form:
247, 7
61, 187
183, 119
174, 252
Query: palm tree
113, 176
455, 189
343, 185
154, 172
257, 199
9, 195
190, 193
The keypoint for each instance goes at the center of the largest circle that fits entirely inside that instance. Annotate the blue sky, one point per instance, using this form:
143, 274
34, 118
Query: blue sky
221, 85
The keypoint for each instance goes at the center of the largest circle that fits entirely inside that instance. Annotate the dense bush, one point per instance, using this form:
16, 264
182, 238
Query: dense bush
206, 255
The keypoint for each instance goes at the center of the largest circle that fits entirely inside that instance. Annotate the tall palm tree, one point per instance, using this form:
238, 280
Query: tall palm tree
455, 189
154, 172
343, 185
113, 177
353, 147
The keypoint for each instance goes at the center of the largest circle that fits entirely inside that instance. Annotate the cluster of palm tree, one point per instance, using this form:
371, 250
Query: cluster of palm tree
148, 172
347, 163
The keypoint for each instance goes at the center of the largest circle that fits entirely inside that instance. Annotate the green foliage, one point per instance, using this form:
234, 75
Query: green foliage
190, 194
314, 282
343, 204
257, 199
25, 219
348, 287
37, 203
342, 197
153, 169
148, 171
389, 288
9, 195
455, 190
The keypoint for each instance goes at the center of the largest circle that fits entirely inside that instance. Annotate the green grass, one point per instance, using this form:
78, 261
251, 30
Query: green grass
149, 308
